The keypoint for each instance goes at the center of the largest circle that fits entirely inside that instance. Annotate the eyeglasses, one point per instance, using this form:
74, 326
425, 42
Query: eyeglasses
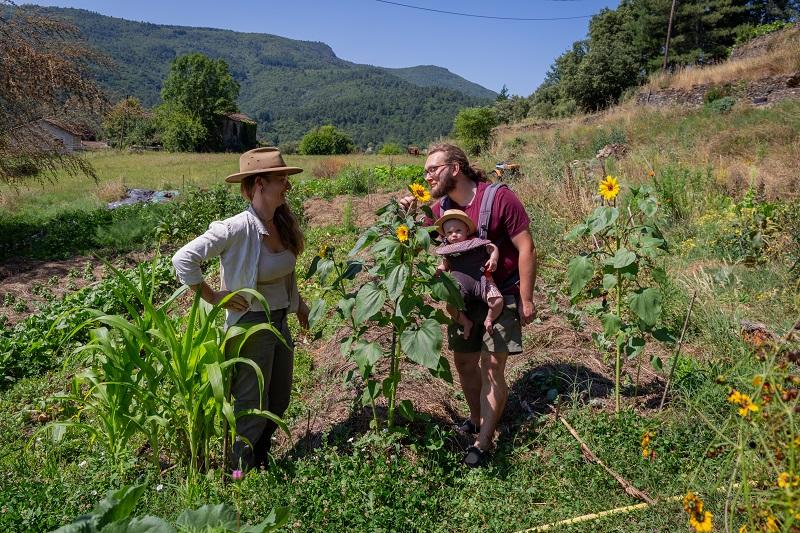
432, 170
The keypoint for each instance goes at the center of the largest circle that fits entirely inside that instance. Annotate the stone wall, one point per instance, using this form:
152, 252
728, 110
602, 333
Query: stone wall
756, 92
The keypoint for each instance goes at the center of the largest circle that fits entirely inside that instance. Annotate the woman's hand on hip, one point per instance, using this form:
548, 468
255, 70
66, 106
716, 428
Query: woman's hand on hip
236, 303
302, 314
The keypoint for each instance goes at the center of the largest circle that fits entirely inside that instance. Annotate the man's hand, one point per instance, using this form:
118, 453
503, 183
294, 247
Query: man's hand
528, 313
406, 201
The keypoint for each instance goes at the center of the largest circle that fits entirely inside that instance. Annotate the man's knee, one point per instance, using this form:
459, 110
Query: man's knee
493, 365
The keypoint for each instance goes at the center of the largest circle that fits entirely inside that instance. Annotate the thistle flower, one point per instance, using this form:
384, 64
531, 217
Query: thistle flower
237, 475
402, 233
609, 188
420, 192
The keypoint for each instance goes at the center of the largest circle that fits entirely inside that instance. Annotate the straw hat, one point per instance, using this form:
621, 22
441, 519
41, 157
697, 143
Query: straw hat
455, 214
261, 161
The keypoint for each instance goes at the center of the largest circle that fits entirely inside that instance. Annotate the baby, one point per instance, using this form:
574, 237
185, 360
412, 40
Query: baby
471, 261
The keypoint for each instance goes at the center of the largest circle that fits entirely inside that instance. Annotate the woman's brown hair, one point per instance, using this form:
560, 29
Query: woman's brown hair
288, 228
454, 154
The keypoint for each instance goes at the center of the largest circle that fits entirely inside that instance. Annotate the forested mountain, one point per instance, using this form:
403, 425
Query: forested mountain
288, 86
433, 76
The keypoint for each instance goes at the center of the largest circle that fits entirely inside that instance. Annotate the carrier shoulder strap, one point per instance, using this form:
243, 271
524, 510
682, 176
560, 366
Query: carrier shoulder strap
487, 203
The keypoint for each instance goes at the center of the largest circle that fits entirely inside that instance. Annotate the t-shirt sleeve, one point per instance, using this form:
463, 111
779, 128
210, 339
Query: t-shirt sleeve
511, 212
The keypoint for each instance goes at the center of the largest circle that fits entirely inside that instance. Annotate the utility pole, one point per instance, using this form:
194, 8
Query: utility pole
669, 32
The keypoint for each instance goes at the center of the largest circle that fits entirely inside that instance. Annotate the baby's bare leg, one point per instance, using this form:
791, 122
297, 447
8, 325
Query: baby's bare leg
462, 319
494, 299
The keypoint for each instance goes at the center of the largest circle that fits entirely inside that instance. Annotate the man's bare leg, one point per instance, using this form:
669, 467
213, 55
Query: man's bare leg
493, 395
469, 374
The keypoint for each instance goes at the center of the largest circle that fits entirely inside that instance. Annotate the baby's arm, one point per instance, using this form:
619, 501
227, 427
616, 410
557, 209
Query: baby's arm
494, 258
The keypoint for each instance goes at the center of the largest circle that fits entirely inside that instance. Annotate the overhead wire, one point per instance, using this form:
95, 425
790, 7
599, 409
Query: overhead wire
483, 16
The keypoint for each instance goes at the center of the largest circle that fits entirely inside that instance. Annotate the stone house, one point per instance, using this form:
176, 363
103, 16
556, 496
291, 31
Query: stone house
238, 132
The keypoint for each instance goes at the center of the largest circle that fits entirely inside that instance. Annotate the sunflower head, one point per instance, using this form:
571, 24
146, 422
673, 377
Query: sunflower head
420, 192
609, 188
402, 233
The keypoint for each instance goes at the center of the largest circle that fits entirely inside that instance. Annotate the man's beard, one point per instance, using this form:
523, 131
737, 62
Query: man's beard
446, 184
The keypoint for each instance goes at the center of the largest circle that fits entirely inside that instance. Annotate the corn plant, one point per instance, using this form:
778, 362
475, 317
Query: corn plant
161, 376
397, 294
620, 269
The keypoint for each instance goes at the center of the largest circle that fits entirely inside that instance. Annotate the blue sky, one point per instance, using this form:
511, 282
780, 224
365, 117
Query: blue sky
488, 52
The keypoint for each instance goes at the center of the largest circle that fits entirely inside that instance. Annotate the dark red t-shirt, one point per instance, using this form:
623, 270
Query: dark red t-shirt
508, 220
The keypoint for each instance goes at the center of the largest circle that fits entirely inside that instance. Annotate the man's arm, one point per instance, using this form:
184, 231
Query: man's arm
527, 273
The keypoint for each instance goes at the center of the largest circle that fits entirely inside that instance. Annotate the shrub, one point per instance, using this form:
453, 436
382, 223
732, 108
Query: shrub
473, 128
717, 92
326, 140
289, 147
721, 105
391, 149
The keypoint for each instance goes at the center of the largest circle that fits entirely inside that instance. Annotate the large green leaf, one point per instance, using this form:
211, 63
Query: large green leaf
648, 206
369, 300
579, 272
609, 281
366, 354
580, 230
274, 521
206, 517
353, 268
611, 324
444, 288
366, 238
396, 280
118, 505
602, 218
422, 238
145, 524
646, 304
423, 344
621, 259
318, 308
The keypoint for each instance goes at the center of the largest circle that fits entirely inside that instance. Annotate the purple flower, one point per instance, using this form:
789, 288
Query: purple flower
237, 475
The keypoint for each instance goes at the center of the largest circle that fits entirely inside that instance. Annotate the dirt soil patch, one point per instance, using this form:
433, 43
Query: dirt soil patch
558, 362
321, 212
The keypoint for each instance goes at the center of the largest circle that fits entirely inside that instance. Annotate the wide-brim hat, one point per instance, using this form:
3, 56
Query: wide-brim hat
456, 214
261, 161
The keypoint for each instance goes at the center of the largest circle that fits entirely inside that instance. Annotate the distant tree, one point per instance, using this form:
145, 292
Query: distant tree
44, 74
128, 123
197, 90
181, 130
503, 94
391, 148
473, 128
326, 140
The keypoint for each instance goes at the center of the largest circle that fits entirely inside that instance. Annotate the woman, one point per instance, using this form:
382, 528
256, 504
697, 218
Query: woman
258, 249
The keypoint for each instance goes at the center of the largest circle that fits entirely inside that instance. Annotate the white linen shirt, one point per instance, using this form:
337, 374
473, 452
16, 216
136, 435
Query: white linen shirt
237, 241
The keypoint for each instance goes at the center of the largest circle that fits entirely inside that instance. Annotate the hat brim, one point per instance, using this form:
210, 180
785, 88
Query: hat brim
471, 227
239, 176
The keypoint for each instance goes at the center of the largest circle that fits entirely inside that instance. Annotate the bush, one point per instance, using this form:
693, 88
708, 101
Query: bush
326, 140
391, 149
717, 92
180, 130
289, 147
473, 128
721, 105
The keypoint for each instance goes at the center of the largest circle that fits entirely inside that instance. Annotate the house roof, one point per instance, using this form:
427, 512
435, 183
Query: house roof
239, 117
60, 125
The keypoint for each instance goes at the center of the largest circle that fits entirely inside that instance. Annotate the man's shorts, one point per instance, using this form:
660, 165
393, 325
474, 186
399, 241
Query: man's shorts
507, 335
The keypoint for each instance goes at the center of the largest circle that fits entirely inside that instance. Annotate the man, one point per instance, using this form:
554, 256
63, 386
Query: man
480, 360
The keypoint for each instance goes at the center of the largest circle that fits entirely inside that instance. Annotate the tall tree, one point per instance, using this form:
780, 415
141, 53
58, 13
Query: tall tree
198, 89
44, 75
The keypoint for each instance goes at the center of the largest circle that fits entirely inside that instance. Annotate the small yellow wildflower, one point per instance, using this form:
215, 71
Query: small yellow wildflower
402, 233
651, 173
747, 406
324, 250
420, 192
609, 188
758, 381
771, 524
797, 440
646, 444
785, 479
701, 523
735, 396
743, 529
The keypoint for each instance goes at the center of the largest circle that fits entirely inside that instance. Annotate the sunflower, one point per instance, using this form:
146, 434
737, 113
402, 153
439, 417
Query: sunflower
701, 523
609, 188
402, 233
699, 518
420, 192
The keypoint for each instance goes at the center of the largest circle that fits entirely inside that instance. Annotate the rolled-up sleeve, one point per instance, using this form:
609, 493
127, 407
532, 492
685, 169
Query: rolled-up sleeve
188, 260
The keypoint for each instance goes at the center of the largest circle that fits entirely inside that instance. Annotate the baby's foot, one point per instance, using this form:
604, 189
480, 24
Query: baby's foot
466, 323
487, 324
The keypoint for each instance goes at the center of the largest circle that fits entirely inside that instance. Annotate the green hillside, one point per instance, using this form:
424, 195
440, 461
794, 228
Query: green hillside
288, 86
433, 76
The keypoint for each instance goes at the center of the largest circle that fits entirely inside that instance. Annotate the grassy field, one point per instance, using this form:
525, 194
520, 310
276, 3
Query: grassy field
151, 170
733, 243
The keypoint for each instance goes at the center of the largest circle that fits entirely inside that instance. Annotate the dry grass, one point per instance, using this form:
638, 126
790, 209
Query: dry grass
781, 58
329, 168
111, 191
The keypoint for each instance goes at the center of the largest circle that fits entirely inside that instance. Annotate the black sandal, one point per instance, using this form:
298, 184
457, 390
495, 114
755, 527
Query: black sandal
475, 457
468, 426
